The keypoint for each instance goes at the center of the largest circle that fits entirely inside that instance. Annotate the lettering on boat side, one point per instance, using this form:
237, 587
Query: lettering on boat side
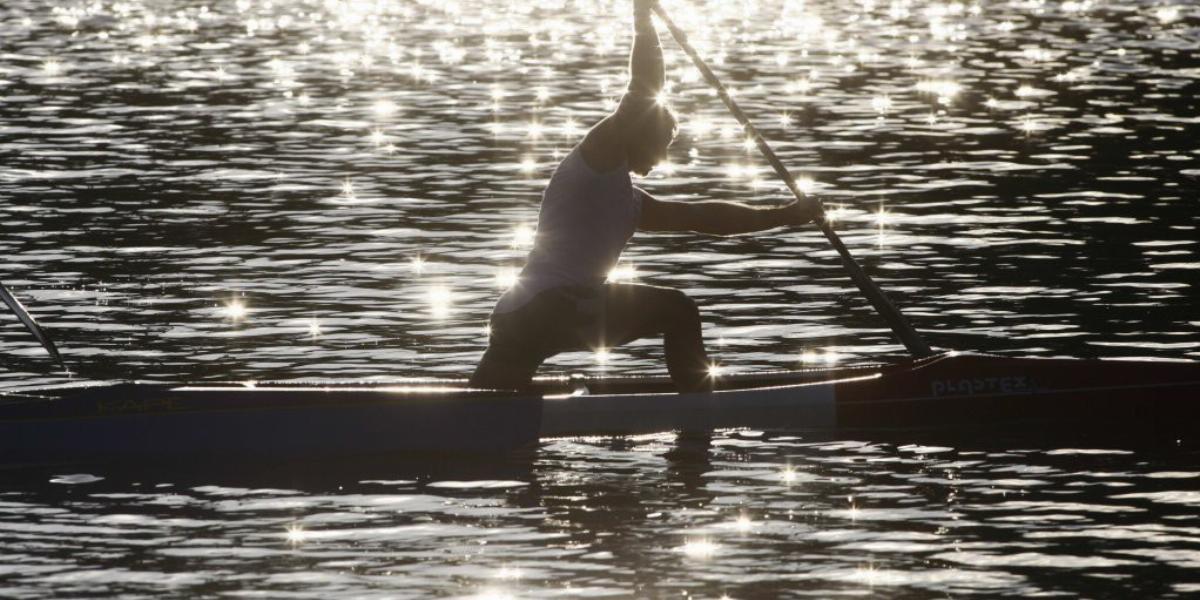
129, 405
982, 385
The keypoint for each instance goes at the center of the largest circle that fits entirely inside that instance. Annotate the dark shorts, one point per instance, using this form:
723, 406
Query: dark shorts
565, 319
557, 320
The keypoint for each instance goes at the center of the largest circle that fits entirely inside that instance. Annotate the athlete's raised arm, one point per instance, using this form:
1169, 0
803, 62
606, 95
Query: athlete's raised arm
637, 134
646, 72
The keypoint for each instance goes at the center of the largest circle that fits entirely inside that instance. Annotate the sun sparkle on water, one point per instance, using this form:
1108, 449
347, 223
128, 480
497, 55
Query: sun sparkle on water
1167, 14
510, 573
523, 237
417, 265
296, 534
494, 595
506, 278
702, 548
528, 165
882, 217
235, 310
440, 298
384, 108
806, 184
881, 104
788, 474
623, 272
743, 523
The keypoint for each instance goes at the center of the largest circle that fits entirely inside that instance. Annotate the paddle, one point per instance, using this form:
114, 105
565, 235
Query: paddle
32, 325
903, 330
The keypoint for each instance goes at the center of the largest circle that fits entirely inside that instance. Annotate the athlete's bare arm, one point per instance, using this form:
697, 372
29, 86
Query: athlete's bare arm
720, 218
604, 146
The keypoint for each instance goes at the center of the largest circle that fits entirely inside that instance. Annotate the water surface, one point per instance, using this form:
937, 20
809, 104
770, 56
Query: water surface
284, 190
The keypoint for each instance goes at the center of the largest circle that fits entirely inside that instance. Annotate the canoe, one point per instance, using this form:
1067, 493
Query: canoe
951, 393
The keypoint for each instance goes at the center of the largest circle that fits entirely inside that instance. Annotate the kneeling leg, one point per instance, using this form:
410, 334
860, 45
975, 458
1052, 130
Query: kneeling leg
636, 311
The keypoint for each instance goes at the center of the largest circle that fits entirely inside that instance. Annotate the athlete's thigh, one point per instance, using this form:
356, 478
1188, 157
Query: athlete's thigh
547, 325
633, 311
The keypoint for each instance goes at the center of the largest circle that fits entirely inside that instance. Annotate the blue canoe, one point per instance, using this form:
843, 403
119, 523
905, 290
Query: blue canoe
952, 392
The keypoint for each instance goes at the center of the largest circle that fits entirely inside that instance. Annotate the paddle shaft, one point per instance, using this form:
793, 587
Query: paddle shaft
903, 330
31, 324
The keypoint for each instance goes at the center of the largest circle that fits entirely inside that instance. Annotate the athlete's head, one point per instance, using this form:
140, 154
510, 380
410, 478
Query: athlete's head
652, 131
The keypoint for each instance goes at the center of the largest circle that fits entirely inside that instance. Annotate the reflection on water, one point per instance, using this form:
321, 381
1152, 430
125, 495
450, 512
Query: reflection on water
340, 188
589, 518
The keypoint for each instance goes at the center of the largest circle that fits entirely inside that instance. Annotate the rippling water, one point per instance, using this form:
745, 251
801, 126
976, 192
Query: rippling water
299, 188
594, 520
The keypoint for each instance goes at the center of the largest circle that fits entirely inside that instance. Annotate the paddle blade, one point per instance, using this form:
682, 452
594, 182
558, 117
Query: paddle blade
32, 325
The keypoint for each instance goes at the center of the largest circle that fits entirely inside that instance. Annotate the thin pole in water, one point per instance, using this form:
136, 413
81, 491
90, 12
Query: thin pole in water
903, 330
32, 325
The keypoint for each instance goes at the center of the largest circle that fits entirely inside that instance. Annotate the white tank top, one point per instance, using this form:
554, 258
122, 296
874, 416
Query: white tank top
585, 221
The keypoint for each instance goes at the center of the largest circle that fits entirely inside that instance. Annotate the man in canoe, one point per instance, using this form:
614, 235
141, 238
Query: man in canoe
590, 209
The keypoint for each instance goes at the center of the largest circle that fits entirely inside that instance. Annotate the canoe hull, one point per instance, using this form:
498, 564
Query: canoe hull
152, 423
947, 394
810, 406
972, 391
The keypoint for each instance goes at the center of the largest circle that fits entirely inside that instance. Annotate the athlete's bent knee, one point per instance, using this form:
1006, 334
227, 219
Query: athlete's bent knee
683, 308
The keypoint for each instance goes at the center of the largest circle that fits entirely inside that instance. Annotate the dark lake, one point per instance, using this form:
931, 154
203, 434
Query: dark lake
250, 189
